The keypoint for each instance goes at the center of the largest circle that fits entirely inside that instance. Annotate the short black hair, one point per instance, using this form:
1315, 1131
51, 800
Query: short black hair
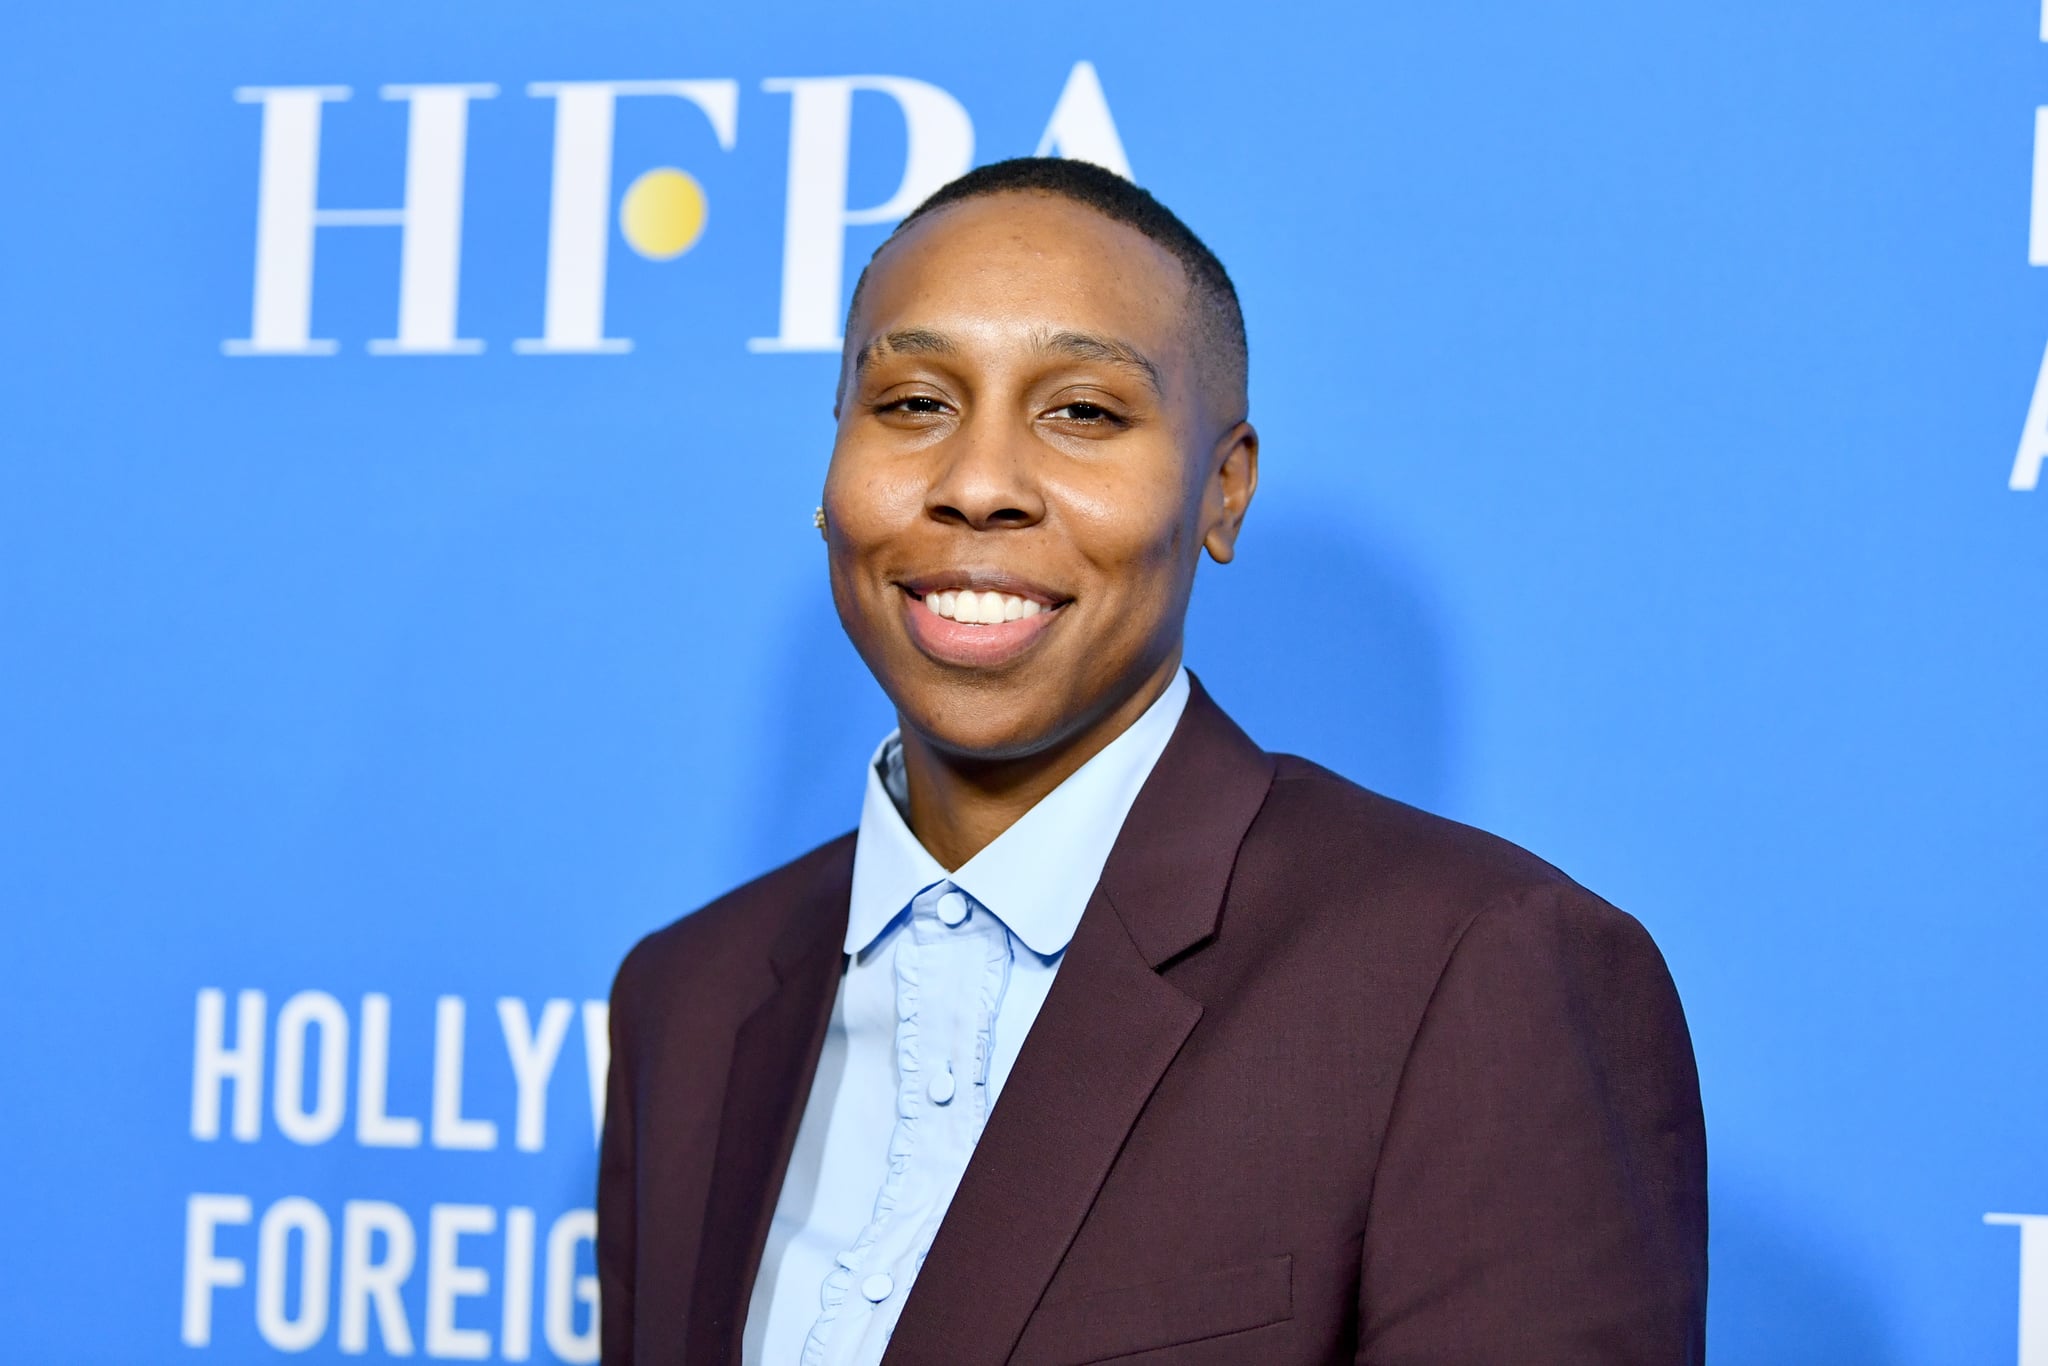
1218, 318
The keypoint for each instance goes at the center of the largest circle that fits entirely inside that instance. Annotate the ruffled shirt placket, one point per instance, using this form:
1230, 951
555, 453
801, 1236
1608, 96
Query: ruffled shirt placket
952, 965
939, 994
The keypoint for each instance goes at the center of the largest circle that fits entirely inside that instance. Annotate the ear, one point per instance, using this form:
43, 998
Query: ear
1233, 479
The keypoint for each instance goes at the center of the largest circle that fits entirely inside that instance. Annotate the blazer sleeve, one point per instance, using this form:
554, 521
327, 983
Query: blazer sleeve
1541, 1193
617, 1194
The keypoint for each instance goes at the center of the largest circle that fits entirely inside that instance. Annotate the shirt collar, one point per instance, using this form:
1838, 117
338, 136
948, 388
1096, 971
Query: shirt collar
1035, 877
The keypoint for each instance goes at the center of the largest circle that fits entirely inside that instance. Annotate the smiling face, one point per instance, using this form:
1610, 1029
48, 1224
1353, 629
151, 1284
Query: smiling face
1028, 464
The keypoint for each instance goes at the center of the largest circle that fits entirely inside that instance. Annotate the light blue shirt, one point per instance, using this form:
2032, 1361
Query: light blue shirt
947, 973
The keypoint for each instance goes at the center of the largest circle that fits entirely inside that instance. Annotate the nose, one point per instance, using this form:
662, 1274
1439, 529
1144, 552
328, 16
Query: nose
986, 477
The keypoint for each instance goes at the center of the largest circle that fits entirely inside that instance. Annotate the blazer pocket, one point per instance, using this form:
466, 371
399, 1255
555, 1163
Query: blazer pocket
1144, 1318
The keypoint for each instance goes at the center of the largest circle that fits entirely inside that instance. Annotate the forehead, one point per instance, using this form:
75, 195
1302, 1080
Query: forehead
1024, 264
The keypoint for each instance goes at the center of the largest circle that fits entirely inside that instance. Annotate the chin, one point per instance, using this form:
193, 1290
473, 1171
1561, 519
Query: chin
980, 722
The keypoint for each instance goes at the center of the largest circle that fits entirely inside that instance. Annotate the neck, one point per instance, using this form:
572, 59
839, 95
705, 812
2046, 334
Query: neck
959, 803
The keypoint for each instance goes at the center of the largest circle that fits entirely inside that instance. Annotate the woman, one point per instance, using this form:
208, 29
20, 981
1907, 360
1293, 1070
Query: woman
1287, 1072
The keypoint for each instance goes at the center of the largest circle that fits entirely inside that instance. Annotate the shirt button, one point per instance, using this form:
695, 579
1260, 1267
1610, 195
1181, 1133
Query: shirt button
940, 1087
952, 908
876, 1288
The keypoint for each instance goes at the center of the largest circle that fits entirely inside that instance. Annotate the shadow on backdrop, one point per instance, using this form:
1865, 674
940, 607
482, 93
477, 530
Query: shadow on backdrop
1776, 1296
1316, 641
1320, 644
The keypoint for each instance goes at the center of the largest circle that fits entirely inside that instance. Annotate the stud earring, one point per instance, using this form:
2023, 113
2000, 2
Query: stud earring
818, 521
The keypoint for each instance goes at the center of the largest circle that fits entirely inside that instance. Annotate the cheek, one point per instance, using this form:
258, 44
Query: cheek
1134, 532
869, 500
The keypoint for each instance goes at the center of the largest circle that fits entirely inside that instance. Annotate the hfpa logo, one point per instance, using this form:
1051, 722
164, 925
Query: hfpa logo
2026, 466
660, 215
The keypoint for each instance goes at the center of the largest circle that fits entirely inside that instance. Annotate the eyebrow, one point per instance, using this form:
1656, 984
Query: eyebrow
1087, 346
915, 341
919, 341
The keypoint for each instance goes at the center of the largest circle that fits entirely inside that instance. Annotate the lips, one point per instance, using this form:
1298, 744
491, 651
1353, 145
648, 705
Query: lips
979, 620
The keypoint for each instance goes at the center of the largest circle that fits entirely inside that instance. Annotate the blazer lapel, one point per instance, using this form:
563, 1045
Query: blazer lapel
775, 1053
1110, 1027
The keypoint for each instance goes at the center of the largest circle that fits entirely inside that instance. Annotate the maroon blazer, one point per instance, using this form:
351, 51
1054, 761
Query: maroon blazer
1322, 1079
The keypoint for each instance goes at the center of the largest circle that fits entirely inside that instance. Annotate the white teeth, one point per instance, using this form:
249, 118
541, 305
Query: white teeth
982, 608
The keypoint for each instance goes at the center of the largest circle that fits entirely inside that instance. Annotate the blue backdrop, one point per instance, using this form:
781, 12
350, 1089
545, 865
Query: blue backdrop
408, 595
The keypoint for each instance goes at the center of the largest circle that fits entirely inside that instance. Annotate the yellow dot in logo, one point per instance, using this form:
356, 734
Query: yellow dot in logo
662, 214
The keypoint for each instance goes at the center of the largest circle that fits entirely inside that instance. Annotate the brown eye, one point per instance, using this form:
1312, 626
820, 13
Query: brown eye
916, 411
921, 404
1082, 411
